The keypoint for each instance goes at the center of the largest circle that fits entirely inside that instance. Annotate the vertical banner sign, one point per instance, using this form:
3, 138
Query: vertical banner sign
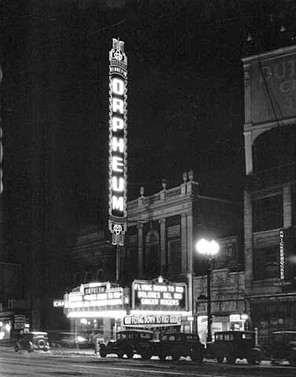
282, 255
1, 148
117, 141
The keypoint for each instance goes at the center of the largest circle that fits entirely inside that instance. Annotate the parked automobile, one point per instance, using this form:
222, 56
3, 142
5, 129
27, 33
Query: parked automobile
31, 341
234, 345
177, 344
67, 339
282, 347
127, 342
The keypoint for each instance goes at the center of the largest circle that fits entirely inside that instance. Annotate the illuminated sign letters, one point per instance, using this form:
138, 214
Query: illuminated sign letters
117, 141
282, 255
155, 320
58, 303
99, 297
155, 295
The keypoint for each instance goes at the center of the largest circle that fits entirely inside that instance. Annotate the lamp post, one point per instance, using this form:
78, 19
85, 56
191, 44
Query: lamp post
210, 249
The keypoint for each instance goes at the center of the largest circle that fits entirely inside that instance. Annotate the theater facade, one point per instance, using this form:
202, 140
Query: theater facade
100, 309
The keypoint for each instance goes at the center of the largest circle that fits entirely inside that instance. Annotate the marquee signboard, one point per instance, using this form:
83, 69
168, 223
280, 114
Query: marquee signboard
152, 320
159, 294
94, 297
117, 142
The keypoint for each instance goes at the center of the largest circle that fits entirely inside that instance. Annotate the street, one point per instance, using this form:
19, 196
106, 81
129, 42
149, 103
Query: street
82, 364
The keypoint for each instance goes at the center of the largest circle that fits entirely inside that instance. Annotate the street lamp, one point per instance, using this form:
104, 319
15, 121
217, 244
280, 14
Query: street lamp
210, 249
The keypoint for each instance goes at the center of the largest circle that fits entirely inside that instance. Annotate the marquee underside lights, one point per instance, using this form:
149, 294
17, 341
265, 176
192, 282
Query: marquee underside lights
117, 141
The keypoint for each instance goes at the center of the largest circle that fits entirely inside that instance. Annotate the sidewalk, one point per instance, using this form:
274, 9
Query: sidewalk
56, 351
74, 351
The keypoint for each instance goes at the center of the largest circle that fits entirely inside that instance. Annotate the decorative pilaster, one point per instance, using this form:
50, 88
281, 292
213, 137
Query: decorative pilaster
162, 223
184, 242
248, 152
248, 240
140, 249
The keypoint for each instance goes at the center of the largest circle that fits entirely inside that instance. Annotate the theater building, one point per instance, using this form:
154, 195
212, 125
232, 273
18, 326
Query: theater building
161, 240
270, 192
160, 272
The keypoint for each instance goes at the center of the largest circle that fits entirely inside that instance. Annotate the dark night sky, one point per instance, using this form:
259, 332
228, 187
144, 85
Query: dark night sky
185, 95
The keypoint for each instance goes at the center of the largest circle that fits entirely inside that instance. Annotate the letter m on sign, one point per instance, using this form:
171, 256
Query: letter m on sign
117, 203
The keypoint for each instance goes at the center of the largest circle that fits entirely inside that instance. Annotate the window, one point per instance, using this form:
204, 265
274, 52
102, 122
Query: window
247, 336
265, 263
175, 260
228, 337
145, 336
152, 260
268, 213
219, 336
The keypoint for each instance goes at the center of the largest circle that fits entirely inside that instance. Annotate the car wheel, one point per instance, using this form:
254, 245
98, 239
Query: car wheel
197, 356
120, 354
146, 354
292, 360
231, 359
130, 353
251, 360
162, 356
220, 359
103, 350
176, 356
41, 344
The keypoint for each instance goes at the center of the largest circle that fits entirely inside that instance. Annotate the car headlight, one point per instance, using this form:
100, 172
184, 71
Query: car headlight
81, 339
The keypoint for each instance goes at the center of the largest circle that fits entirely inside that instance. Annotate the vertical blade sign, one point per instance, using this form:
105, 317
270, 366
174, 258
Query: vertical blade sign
117, 141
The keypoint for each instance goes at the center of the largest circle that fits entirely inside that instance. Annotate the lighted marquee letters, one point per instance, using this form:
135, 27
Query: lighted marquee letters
117, 141
155, 320
164, 295
99, 297
282, 255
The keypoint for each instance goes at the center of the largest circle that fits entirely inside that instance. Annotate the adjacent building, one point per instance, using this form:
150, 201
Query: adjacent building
270, 191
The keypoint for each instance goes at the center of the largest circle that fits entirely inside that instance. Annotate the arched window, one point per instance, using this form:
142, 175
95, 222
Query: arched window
275, 149
152, 257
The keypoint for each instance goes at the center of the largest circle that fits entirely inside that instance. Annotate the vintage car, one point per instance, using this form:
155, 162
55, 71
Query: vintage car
282, 347
31, 341
177, 344
233, 345
128, 342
